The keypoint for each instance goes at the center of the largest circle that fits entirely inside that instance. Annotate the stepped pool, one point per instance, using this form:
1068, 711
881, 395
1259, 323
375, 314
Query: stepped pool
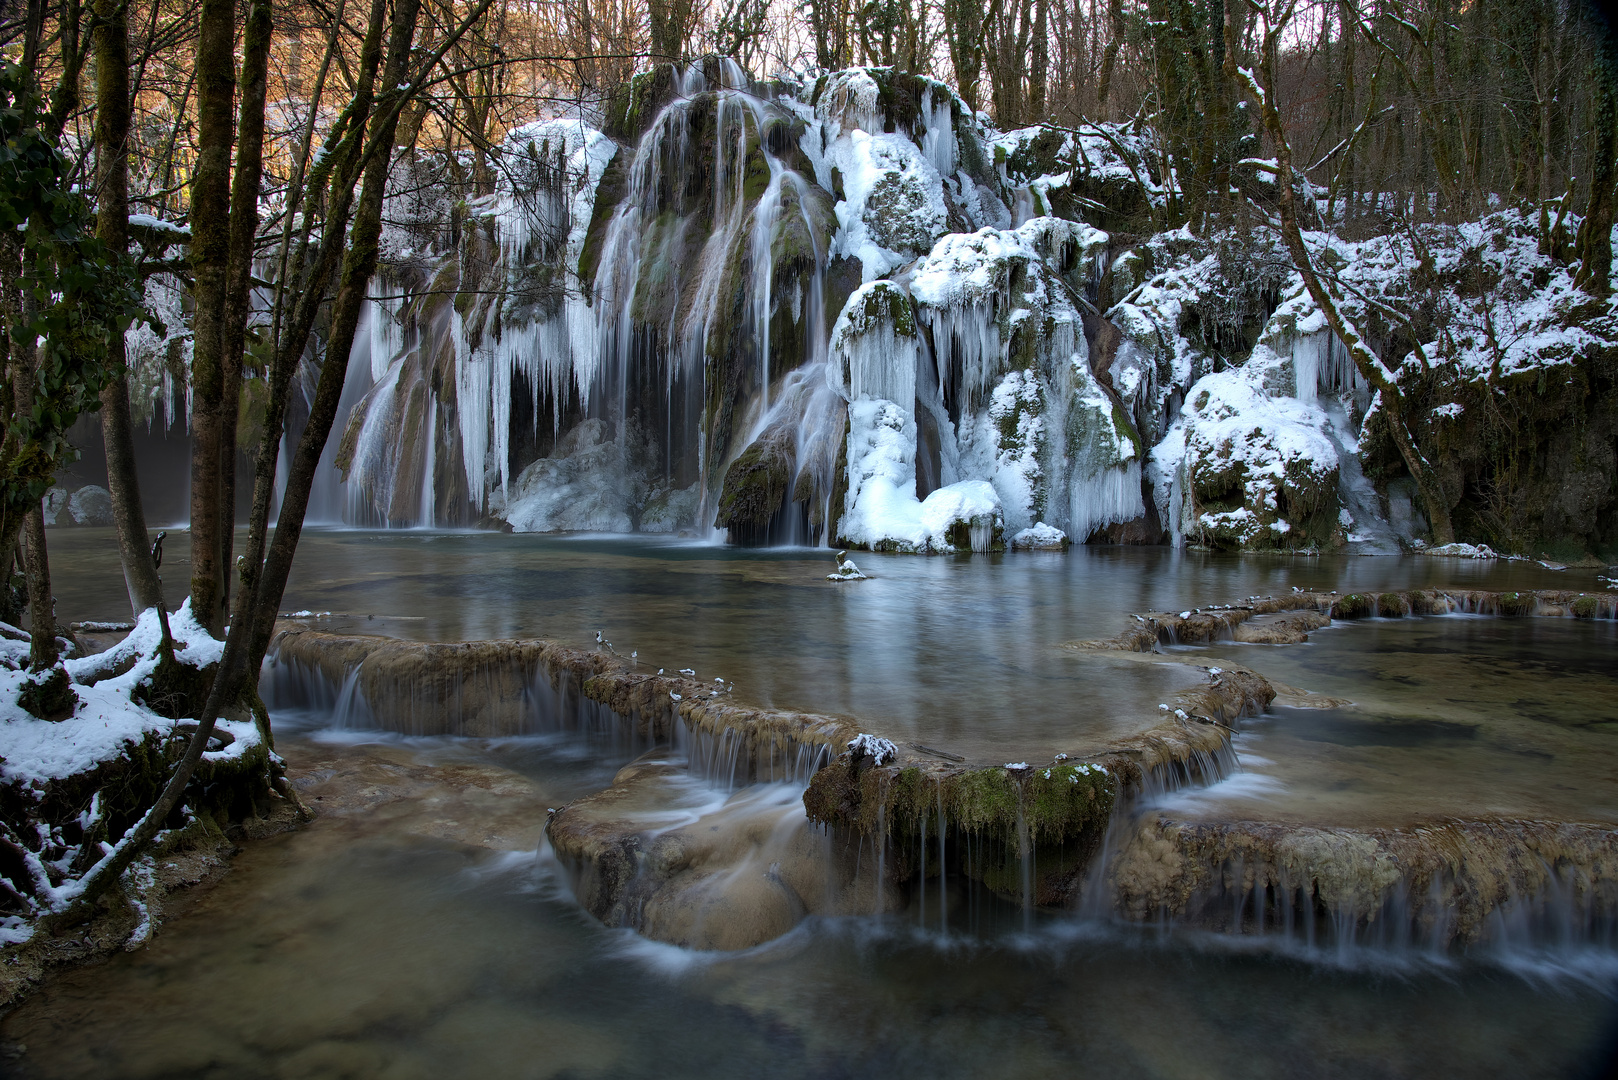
423, 925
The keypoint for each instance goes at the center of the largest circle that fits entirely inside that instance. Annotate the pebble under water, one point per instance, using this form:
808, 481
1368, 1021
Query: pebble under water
420, 926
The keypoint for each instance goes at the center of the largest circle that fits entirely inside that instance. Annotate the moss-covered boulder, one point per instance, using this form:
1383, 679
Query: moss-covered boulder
1007, 814
755, 486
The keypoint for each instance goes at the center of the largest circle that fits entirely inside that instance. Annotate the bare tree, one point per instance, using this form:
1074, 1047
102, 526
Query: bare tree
1260, 87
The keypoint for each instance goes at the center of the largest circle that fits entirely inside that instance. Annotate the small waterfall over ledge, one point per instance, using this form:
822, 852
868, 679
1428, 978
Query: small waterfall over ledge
676, 841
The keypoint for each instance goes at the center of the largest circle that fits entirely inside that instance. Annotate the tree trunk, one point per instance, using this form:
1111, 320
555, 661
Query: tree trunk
243, 233
1428, 483
36, 561
41, 605
1109, 56
210, 256
670, 24
358, 266
1594, 241
65, 98
112, 226
1039, 61
963, 27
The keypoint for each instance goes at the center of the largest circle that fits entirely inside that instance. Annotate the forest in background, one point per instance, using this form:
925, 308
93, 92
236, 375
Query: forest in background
1424, 110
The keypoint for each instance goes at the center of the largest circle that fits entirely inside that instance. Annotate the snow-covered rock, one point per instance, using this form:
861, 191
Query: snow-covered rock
1247, 466
1040, 537
1011, 376
882, 511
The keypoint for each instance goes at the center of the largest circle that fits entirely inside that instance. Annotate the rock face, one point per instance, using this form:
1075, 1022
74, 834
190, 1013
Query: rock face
756, 486
1258, 470
88, 505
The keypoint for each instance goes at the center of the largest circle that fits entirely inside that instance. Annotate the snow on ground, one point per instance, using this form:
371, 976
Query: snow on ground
107, 721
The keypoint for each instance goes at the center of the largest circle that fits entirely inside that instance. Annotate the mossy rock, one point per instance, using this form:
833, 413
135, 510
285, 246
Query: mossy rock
1514, 605
1049, 820
1530, 454
1353, 606
49, 694
959, 534
1053, 803
631, 106
755, 487
609, 193
1426, 602
1038, 156
1391, 605
1585, 607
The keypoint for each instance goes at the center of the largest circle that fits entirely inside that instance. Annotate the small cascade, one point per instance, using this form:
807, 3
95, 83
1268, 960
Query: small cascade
329, 499
350, 711
731, 759
503, 688
1367, 526
1490, 888
1199, 768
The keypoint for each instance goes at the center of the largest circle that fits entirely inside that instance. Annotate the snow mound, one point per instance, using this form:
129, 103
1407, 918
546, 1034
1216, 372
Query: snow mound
1040, 537
1460, 551
882, 511
1247, 466
881, 751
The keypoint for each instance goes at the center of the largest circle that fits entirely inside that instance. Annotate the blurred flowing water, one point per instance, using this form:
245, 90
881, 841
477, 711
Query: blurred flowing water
421, 927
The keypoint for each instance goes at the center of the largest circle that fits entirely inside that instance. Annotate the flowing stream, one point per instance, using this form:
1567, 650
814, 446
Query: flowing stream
422, 925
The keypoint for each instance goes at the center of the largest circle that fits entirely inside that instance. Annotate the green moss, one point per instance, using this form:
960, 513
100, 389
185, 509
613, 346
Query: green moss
1063, 800
755, 487
1123, 423
981, 799
633, 104
1391, 605
609, 193
1513, 605
889, 305
1353, 606
48, 694
1054, 803
959, 536
1585, 607
756, 169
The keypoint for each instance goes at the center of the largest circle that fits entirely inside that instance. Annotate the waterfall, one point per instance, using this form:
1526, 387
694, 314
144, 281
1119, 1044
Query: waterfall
429, 458
636, 317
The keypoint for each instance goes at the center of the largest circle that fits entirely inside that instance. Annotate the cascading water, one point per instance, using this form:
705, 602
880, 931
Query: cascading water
661, 294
